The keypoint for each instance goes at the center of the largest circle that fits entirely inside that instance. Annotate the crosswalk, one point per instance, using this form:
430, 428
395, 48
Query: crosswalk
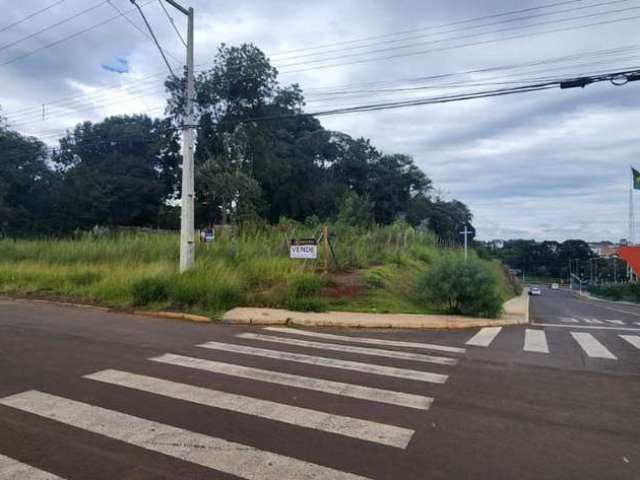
577, 320
536, 341
11, 469
215, 450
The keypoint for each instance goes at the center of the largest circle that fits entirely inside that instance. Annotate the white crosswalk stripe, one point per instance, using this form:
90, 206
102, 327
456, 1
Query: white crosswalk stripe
535, 341
593, 321
632, 339
592, 347
302, 417
329, 362
416, 357
615, 322
370, 341
317, 384
11, 469
233, 458
569, 320
484, 337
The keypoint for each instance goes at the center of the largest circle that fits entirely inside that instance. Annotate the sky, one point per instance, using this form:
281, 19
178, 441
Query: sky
547, 165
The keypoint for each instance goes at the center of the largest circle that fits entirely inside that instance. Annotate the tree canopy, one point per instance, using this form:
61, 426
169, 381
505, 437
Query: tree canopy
258, 155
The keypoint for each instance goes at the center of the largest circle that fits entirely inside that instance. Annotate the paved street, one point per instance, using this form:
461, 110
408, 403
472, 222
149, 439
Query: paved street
91, 395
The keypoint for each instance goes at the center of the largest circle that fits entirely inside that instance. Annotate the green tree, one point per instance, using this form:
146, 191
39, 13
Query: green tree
121, 171
26, 184
356, 210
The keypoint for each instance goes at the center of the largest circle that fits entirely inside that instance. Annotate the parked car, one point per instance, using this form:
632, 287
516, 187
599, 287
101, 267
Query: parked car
535, 291
555, 286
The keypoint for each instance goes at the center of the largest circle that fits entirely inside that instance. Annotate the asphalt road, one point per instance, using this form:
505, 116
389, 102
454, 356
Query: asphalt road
91, 395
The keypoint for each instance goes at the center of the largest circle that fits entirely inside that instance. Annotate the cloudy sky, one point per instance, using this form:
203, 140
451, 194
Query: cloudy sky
546, 165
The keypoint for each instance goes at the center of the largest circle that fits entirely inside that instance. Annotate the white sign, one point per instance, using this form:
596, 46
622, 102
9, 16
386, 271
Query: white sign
308, 251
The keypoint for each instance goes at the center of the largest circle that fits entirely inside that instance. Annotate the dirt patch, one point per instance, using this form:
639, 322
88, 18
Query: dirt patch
344, 285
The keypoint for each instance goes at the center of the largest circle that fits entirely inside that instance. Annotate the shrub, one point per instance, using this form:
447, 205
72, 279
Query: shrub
307, 304
374, 279
149, 290
459, 287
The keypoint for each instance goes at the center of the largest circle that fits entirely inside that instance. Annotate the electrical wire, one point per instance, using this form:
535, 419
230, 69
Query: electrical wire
64, 39
52, 26
454, 23
467, 28
153, 35
463, 37
403, 87
30, 16
449, 24
172, 22
441, 99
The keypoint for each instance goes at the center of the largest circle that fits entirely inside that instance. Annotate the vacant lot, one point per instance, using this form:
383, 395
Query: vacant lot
372, 270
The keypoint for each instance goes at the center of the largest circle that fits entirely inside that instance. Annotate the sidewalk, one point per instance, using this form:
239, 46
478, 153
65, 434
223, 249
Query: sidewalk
516, 311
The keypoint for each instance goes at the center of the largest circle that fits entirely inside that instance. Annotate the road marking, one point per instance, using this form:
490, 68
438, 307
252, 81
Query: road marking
243, 461
329, 362
637, 323
592, 347
484, 337
371, 341
615, 322
632, 339
535, 341
589, 327
593, 321
11, 469
376, 352
301, 417
569, 320
309, 383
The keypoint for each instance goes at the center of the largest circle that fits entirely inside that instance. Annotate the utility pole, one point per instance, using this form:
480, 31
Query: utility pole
187, 220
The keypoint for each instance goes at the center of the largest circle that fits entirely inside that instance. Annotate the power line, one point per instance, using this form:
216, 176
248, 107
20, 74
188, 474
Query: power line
403, 88
454, 23
615, 77
64, 39
172, 22
30, 16
137, 27
153, 35
460, 29
464, 45
469, 36
53, 25
459, 22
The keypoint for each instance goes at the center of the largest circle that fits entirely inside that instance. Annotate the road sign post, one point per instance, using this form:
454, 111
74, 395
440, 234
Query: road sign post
467, 232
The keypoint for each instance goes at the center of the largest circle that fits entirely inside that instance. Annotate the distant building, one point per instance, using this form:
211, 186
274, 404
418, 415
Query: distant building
496, 244
605, 249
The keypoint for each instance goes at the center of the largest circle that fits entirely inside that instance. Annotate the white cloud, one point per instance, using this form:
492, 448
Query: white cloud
545, 165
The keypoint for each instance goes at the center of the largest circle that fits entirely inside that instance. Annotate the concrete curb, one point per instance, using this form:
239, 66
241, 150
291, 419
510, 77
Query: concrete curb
141, 313
516, 313
173, 316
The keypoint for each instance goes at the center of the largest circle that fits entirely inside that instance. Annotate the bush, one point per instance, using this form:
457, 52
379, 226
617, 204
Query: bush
307, 304
464, 288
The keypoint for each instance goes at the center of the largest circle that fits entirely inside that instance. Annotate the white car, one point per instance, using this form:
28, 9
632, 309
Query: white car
535, 291
555, 286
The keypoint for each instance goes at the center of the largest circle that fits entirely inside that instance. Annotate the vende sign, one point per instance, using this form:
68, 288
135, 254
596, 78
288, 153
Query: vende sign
306, 248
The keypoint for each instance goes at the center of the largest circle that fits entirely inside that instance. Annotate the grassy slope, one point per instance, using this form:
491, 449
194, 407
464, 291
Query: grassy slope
249, 268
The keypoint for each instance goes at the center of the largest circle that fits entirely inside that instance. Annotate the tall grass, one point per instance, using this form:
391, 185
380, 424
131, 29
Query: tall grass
245, 266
